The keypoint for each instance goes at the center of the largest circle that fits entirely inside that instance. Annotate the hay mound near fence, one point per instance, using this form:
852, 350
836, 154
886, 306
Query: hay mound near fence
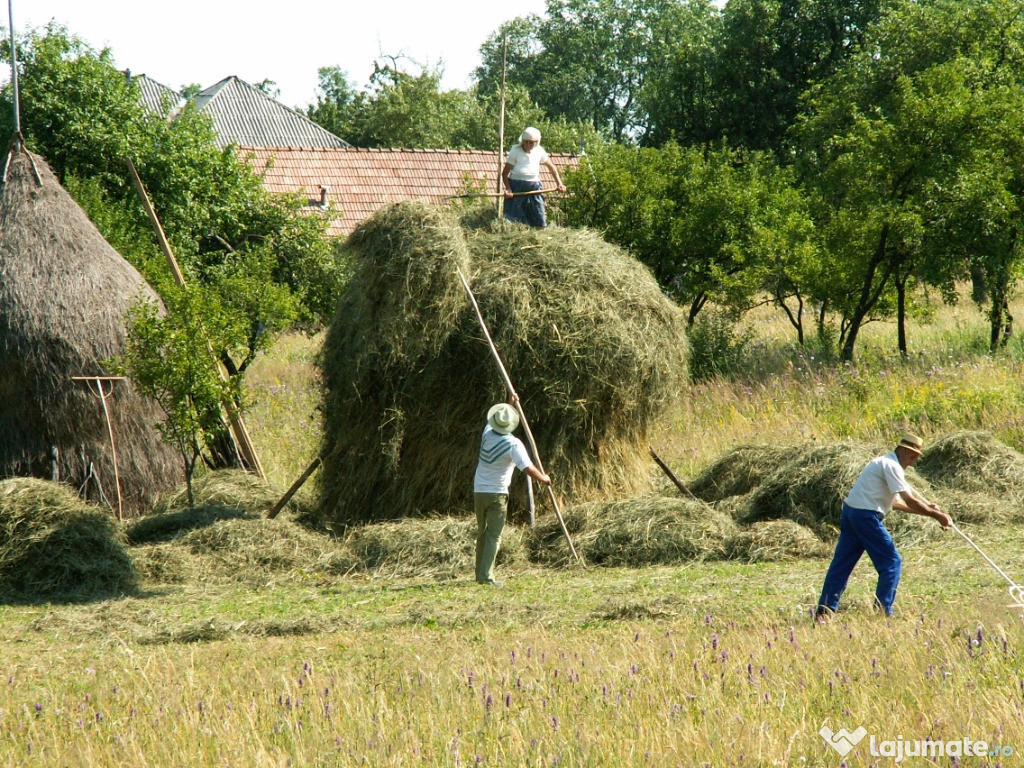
54, 546
439, 548
775, 540
973, 461
634, 533
592, 345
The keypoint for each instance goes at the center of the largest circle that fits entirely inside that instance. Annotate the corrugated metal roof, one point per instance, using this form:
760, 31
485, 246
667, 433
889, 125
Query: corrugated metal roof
157, 97
244, 115
359, 181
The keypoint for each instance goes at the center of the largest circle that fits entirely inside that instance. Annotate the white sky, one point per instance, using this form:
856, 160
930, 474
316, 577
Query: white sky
178, 42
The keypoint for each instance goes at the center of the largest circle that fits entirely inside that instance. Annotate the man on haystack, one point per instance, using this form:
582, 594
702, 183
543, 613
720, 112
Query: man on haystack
520, 177
500, 454
880, 487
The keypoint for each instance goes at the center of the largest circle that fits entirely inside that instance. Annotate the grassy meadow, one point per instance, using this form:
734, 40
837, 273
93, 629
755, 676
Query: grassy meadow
704, 664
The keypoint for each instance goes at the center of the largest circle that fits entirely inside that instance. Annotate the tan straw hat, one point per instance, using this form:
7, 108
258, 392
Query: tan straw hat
503, 418
911, 443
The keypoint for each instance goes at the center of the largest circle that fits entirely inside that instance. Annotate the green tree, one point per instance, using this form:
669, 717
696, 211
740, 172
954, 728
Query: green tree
714, 224
884, 141
168, 358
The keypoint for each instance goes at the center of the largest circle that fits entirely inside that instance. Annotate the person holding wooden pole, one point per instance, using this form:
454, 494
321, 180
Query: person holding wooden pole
500, 453
521, 174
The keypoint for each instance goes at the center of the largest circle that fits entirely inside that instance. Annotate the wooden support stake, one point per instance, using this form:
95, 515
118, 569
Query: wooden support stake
522, 415
235, 420
672, 477
298, 484
100, 381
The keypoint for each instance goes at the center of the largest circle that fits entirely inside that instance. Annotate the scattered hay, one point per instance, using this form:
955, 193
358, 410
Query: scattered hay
54, 546
634, 533
775, 540
594, 349
739, 471
223, 495
438, 548
260, 550
166, 564
974, 462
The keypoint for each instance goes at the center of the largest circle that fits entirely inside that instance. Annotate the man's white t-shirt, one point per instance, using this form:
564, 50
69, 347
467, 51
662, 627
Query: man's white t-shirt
499, 456
878, 485
526, 165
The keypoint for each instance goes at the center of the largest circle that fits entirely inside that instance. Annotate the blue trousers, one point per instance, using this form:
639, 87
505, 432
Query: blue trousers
528, 209
862, 530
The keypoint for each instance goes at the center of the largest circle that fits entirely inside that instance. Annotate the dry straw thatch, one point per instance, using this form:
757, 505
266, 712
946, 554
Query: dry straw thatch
593, 347
63, 299
635, 533
53, 546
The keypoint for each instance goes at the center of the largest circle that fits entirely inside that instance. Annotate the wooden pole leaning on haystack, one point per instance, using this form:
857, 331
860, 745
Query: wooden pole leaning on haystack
522, 414
235, 420
100, 381
320, 459
671, 476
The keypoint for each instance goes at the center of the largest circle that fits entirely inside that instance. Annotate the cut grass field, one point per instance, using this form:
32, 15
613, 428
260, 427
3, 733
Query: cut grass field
707, 663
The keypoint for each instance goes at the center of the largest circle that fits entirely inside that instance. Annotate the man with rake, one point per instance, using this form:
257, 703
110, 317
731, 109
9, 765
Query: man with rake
880, 487
500, 454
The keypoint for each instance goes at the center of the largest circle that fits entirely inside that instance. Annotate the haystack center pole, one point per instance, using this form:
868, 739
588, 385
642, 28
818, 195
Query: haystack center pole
14, 73
501, 123
519, 407
241, 434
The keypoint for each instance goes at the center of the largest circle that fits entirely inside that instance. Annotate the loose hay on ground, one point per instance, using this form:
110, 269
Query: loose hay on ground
775, 540
634, 533
739, 471
439, 548
54, 546
974, 462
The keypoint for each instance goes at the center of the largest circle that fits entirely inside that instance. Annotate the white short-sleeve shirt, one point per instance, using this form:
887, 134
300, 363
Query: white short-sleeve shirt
499, 456
526, 165
878, 485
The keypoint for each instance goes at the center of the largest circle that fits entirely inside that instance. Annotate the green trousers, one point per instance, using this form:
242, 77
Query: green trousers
490, 521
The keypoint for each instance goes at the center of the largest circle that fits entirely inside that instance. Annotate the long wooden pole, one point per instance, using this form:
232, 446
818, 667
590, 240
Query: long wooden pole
671, 476
501, 124
235, 420
519, 407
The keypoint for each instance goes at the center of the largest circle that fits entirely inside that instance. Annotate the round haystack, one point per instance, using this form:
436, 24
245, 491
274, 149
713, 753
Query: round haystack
54, 546
442, 548
775, 540
634, 533
592, 345
63, 299
974, 462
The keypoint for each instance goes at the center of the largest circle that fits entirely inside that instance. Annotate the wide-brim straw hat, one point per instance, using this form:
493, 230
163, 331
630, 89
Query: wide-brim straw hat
503, 418
911, 442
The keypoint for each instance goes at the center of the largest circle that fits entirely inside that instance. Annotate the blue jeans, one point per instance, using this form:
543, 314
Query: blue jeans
862, 530
528, 209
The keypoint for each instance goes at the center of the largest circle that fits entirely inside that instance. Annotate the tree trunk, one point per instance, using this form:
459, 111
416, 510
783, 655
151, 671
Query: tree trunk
901, 315
869, 294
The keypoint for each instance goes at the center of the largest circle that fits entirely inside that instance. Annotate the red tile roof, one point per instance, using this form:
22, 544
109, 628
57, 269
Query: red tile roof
359, 181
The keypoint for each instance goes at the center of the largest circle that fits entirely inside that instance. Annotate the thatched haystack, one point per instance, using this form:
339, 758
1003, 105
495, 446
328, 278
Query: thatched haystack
974, 462
63, 298
634, 533
775, 540
53, 546
592, 345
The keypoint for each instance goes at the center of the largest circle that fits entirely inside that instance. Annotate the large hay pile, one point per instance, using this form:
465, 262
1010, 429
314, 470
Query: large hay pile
63, 298
974, 462
634, 533
53, 546
592, 345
